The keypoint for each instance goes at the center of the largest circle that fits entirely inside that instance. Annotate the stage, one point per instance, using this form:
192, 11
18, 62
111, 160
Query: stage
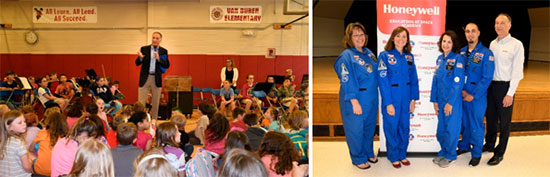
531, 114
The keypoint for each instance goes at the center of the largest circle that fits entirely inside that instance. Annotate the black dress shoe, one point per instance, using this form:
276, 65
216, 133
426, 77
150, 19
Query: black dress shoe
458, 152
475, 161
495, 160
487, 149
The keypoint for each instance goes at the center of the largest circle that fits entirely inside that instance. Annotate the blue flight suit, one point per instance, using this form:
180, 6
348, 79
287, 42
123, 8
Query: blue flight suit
357, 73
447, 86
398, 86
480, 67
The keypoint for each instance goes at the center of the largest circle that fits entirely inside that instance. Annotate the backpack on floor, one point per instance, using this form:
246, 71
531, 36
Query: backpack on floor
201, 164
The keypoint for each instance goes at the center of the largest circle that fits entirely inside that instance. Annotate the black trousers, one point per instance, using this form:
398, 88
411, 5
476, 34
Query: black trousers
498, 117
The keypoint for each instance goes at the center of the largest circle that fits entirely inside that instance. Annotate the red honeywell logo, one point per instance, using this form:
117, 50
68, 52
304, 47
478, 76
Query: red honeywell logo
411, 10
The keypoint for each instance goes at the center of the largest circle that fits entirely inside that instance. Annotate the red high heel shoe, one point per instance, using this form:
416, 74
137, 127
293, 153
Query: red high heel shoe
406, 162
398, 165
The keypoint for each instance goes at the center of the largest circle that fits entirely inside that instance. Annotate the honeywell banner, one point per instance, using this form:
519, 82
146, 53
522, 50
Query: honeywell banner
425, 20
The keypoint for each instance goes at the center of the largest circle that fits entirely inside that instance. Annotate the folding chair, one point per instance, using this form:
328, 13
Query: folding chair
214, 93
195, 90
237, 98
205, 90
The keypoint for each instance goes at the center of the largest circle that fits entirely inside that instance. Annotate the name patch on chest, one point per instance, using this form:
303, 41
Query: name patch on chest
450, 64
409, 59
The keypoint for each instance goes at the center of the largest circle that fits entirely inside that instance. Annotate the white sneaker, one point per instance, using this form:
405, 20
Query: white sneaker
438, 159
445, 163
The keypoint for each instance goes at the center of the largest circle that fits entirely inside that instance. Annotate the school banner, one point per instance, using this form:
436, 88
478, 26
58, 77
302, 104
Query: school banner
42, 14
235, 14
425, 21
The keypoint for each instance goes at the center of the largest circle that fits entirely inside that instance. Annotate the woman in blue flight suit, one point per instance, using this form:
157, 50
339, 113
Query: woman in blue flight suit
446, 95
399, 90
358, 95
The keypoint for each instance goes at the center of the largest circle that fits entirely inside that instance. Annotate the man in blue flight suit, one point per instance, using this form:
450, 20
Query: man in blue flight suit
480, 67
447, 85
356, 68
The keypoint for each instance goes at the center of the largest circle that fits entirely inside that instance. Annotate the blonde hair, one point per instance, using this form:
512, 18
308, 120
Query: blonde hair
179, 120
152, 163
93, 158
2, 108
5, 133
296, 119
348, 43
51, 110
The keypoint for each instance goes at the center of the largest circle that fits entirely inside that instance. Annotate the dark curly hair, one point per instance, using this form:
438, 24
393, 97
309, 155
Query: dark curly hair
282, 150
219, 126
454, 39
75, 110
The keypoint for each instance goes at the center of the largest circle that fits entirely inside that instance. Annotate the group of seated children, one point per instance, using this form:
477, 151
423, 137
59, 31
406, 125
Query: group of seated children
83, 142
285, 95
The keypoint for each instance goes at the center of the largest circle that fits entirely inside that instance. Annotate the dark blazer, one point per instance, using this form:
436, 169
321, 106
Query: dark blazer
146, 61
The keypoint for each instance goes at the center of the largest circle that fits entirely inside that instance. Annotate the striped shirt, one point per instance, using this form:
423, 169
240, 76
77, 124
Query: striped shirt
11, 165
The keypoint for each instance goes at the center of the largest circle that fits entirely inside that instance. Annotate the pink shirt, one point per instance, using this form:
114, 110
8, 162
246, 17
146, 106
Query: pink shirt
217, 147
142, 139
71, 121
238, 126
270, 167
63, 155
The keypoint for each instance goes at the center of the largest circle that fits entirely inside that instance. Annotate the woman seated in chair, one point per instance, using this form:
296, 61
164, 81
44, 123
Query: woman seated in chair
286, 95
228, 98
